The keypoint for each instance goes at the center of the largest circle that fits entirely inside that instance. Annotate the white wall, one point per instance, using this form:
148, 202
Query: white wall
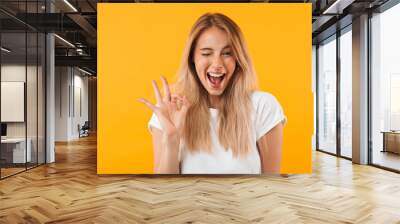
71, 93
16, 73
62, 81
80, 84
12, 101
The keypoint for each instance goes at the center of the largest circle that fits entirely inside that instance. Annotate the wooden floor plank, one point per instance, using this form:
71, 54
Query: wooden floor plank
70, 191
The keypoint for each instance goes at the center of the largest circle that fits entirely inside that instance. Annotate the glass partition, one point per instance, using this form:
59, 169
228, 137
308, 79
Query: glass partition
14, 153
22, 88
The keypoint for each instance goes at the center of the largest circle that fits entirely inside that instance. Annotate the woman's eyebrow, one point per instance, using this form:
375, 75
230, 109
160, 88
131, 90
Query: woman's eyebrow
210, 49
206, 49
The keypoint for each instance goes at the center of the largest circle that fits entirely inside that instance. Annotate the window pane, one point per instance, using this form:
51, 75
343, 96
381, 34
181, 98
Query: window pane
385, 88
346, 94
327, 96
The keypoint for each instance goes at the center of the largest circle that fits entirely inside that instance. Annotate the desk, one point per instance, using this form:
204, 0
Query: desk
391, 141
16, 148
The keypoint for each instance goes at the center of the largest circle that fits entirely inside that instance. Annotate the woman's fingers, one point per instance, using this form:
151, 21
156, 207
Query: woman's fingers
185, 101
177, 100
157, 92
167, 92
147, 103
181, 101
174, 104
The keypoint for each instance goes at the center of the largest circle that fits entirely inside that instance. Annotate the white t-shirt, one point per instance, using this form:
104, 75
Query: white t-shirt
266, 114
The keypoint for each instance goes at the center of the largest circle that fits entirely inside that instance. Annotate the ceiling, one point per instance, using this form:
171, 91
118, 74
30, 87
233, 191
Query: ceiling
76, 22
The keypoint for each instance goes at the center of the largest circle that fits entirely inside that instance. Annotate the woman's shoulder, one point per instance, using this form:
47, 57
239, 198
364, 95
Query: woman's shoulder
267, 112
262, 97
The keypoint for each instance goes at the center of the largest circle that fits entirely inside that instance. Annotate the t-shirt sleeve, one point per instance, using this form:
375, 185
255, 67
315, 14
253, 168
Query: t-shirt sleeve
269, 113
154, 122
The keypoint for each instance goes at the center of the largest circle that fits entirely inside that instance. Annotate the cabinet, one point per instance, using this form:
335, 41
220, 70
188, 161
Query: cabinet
391, 141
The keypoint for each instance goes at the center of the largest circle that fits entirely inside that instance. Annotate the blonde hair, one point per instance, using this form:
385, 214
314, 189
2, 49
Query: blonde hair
234, 120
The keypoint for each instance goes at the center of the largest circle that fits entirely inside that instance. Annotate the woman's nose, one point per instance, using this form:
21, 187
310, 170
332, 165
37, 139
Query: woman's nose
217, 64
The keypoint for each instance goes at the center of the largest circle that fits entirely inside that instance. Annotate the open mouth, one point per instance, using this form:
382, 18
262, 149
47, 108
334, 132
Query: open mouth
215, 79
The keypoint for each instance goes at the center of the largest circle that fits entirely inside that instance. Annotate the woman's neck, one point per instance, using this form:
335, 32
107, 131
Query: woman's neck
214, 101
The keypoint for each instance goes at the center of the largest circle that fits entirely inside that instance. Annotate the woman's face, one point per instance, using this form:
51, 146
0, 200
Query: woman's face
214, 60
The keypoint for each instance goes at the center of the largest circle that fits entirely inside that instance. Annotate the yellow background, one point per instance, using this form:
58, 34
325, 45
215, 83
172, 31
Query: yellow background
139, 42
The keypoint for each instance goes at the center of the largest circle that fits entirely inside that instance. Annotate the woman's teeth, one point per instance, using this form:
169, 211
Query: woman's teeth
216, 74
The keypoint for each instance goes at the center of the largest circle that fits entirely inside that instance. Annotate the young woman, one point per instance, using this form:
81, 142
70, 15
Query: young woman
216, 122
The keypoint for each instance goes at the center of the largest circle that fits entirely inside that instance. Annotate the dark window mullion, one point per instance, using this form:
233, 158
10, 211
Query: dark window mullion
338, 80
0, 97
26, 87
37, 90
369, 90
316, 97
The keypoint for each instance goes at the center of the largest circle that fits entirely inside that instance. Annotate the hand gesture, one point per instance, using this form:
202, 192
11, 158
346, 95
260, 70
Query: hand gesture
170, 109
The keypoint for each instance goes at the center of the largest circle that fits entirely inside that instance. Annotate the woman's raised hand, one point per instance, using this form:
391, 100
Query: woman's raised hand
170, 109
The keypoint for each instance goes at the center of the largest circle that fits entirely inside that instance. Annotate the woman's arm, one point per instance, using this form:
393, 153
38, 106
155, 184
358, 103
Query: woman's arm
270, 148
171, 112
166, 152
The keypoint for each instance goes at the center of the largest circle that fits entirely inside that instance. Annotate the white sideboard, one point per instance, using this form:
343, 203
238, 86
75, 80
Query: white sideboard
18, 149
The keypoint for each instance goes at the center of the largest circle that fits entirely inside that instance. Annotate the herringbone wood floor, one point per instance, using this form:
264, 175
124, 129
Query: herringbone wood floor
69, 191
